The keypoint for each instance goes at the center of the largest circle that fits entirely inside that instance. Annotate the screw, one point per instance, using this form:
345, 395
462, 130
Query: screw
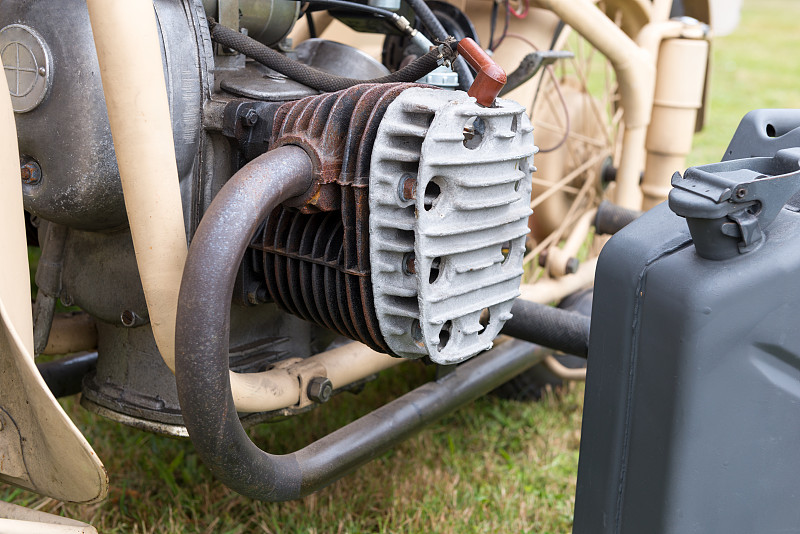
469, 132
250, 117
262, 294
572, 266
30, 170
409, 264
320, 389
408, 187
741, 192
130, 318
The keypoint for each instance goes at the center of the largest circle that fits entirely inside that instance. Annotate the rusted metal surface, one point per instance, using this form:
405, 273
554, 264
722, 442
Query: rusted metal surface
30, 171
316, 250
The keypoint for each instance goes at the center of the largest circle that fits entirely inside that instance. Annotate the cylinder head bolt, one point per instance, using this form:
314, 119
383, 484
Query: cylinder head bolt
30, 170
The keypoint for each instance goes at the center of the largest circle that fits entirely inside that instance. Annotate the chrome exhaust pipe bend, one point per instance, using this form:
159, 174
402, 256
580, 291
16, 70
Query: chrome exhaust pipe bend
201, 360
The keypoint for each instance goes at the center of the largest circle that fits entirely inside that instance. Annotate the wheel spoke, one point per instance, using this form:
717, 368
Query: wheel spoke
569, 177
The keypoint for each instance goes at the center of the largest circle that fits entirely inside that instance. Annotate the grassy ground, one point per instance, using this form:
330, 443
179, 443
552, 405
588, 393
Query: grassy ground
752, 68
495, 466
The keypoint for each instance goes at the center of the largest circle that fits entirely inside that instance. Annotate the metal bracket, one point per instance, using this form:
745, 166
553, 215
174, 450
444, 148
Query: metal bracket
531, 64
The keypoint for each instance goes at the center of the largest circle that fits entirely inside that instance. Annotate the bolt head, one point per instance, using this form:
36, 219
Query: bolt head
409, 264
129, 318
30, 171
250, 117
408, 187
320, 389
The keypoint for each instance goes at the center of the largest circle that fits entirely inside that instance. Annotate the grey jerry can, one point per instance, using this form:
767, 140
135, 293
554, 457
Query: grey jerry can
692, 409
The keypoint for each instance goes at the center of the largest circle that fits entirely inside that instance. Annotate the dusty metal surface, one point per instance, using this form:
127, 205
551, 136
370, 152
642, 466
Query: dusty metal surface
65, 115
465, 227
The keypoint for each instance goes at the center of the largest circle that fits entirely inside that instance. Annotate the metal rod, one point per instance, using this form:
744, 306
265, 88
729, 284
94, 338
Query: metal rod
71, 332
202, 373
550, 327
202, 325
234, 459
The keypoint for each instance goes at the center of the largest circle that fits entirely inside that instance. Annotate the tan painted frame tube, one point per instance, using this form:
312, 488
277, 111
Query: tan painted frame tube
15, 295
18, 519
562, 371
635, 69
557, 258
71, 332
555, 289
282, 387
129, 55
58, 461
681, 50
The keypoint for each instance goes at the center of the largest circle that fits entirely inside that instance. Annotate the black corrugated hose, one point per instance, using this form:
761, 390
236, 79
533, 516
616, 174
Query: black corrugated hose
435, 27
317, 79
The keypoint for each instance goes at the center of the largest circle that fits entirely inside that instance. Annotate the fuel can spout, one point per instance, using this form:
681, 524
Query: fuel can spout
729, 205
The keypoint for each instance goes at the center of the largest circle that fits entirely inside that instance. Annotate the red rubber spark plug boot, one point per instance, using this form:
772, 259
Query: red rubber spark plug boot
491, 77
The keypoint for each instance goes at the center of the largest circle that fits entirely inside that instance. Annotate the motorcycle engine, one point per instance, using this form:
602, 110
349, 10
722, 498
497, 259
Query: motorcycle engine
411, 240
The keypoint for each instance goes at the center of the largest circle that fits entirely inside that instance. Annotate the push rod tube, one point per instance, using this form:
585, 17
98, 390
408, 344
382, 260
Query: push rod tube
201, 363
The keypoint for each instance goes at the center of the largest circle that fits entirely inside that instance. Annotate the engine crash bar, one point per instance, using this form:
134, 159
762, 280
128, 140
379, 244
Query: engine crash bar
201, 356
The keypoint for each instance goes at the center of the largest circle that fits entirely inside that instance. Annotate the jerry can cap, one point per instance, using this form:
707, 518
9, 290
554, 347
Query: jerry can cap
728, 205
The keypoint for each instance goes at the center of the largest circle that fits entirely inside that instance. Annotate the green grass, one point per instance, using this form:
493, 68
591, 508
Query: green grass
494, 466
752, 68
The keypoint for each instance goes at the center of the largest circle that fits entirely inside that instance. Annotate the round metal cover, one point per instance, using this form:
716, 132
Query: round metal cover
28, 66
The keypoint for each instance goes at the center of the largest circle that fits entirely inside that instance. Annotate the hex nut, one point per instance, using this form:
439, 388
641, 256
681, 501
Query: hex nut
320, 389
30, 171
250, 117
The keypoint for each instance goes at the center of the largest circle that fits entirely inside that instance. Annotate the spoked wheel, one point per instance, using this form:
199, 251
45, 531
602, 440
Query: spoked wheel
578, 128
578, 125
